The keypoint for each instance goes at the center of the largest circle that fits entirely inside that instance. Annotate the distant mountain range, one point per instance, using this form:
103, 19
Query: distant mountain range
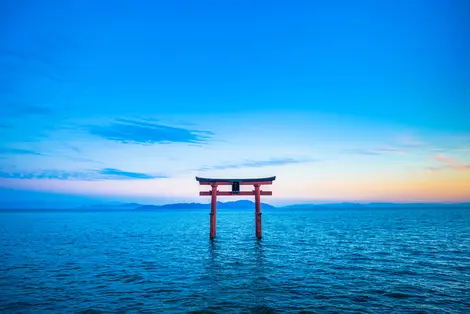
244, 204
241, 204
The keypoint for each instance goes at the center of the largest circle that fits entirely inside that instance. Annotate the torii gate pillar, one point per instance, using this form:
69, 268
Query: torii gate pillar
213, 211
235, 183
258, 210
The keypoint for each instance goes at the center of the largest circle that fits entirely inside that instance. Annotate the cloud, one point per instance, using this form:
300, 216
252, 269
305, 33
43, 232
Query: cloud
18, 151
373, 152
16, 110
126, 174
72, 147
435, 144
360, 152
443, 158
81, 159
45, 55
434, 169
89, 175
410, 141
390, 150
257, 164
24, 57
449, 162
401, 145
140, 132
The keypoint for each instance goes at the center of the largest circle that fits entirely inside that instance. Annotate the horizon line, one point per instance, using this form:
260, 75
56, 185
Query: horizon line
118, 205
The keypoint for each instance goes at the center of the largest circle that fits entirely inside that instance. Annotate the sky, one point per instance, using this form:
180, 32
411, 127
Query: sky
361, 101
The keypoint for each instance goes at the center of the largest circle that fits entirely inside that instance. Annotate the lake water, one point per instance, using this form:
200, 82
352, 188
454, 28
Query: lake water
387, 260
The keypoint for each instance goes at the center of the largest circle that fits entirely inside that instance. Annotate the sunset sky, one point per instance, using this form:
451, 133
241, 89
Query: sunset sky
342, 100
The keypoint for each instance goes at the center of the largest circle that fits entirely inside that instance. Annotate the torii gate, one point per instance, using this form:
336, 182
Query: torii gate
235, 183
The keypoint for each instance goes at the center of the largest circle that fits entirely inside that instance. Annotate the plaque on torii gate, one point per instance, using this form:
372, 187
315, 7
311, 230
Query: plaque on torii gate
235, 183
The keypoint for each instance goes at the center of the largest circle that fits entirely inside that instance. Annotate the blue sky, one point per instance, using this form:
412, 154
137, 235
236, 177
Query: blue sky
356, 101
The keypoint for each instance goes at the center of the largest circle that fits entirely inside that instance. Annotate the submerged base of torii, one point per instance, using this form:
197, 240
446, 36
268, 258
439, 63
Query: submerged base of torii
235, 183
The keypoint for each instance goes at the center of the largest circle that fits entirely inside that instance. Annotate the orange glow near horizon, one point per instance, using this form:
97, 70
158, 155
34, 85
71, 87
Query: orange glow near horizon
424, 186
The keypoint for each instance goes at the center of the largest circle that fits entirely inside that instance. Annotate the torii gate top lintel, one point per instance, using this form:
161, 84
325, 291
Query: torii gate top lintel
251, 181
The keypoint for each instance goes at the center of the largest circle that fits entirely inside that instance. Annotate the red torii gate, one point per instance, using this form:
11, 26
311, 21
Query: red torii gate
235, 183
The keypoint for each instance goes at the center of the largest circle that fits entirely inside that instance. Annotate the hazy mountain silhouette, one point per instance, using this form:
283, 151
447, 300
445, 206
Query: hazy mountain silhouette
112, 205
245, 204
241, 204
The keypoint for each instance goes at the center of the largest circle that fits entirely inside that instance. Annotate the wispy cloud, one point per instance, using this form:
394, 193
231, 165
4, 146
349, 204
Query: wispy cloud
26, 57
410, 141
435, 144
81, 159
257, 164
20, 110
374, 152
126, 174
390, 150
360, 152
140, 132
434, 169
88, 175
449, 163
408, 144
45, 56
402, 144
18, 151
71, 147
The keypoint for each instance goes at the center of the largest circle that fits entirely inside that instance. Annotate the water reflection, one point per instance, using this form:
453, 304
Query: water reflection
212, 276
260, 284
260, 254
213, 266
212, 249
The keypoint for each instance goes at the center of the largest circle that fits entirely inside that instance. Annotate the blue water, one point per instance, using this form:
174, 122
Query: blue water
307, 262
